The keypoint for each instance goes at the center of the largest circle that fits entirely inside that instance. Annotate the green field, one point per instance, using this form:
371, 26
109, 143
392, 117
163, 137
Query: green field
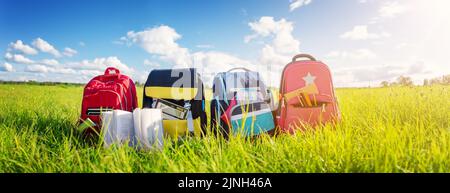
397, 129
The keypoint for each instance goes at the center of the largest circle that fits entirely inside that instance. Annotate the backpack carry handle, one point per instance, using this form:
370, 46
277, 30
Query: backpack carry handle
112, 71
239, 68
303, 56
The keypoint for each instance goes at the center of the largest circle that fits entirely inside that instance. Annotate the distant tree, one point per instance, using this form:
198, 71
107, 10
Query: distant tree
385, 84
435, 81
404, 81
393, 84
137, 83
446, 80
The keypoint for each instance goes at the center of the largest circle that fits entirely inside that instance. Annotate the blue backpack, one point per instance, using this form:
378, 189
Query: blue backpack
241, 104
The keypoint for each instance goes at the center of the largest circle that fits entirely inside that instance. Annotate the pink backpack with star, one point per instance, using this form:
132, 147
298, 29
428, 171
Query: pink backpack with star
306, 95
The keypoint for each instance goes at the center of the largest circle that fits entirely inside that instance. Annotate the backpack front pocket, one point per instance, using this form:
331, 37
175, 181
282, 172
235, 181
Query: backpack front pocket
177, 128
299, 117
252, 119
102, 100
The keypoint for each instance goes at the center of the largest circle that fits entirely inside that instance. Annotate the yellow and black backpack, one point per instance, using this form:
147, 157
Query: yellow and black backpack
180, 95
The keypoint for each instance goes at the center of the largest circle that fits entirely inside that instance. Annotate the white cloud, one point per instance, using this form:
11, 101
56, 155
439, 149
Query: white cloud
73, 72
50, 62
390, 72
141, 76
295, 4
358, 54
20, 46
151, 63
391, 9
283, 41
417, 68
37, 68
20, 59
282, 46
69, 52
6, 67
161, 41
90, 73
361, 32
17, 58
61, 70
212, 62
375, 73
406, 45
44, 46
369, 73
100, 64
345, 65
206, 46
80, 71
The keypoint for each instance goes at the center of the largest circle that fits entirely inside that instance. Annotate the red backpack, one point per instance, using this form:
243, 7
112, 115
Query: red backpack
111, 91
306, 95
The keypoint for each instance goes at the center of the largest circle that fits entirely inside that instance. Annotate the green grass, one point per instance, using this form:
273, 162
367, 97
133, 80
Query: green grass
383, 130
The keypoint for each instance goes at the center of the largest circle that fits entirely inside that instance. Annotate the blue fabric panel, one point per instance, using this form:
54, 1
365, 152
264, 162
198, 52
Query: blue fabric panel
250, 126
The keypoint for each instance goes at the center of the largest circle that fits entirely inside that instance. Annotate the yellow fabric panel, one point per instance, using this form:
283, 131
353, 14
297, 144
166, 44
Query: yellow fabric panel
177, 128
310, 89
171, 92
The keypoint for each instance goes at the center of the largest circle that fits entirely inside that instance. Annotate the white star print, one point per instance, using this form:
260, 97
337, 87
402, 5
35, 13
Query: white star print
309, 79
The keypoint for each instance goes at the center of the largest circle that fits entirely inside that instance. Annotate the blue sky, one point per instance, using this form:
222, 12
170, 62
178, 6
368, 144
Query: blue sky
363, 41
